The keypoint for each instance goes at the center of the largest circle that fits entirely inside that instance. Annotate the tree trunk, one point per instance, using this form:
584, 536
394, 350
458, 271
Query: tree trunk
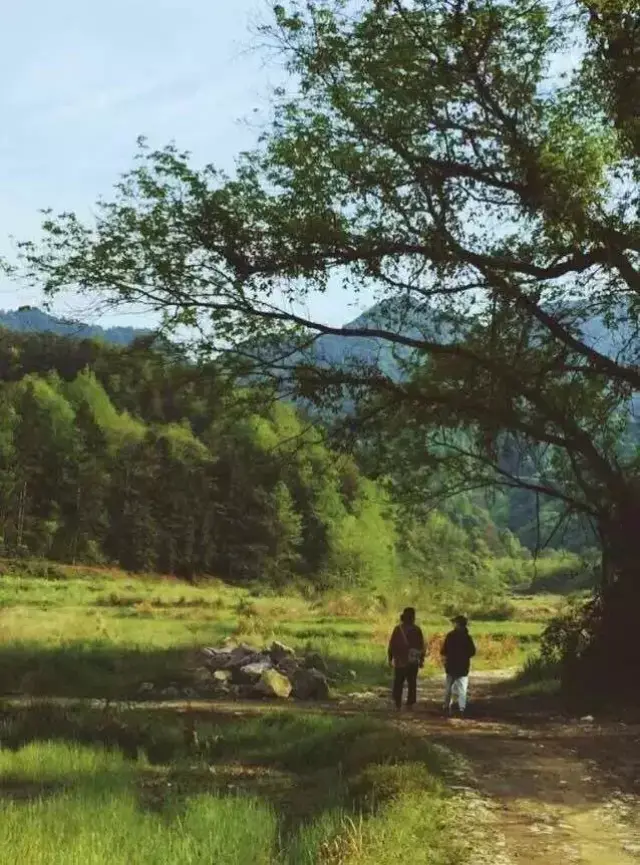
22, 503
610, 663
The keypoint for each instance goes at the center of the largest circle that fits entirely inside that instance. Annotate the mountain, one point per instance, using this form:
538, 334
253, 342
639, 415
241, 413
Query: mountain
29, 319
420, 321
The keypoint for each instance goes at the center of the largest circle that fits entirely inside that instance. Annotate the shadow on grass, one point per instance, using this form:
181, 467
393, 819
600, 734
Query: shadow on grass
112, 672
20, 790
304, 765
89, 670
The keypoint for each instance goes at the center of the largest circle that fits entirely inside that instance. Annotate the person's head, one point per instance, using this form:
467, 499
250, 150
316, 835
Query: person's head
408, 616
460, 622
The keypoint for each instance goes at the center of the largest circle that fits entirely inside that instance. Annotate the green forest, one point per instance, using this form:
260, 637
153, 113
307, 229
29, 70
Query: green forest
137, 458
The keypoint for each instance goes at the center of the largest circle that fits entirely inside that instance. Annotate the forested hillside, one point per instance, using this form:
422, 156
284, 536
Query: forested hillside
536, 521
135, 457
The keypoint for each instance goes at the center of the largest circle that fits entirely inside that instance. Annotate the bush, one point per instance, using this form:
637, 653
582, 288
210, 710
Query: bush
562, 573
566, 636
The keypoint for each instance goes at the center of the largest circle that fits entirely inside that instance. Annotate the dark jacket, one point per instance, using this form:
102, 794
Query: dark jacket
403, 638
457, 651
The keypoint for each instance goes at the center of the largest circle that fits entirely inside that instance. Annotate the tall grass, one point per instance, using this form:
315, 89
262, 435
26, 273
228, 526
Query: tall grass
363, 795
96, 817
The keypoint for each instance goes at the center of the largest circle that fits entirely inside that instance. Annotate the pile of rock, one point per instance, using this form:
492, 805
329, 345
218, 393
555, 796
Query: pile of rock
245, 672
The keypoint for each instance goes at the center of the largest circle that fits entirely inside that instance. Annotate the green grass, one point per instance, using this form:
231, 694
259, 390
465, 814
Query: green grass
101, 634
278, 789
97, 816
297, 787
537, 678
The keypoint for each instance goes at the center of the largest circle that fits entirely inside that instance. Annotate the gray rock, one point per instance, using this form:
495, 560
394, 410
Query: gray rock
288, 667
314, 661
241, 656
250, 673
310, 685
146, 688
202, 674
222, 676
279, 652
273, 684
243, 692
171, 693
216, 659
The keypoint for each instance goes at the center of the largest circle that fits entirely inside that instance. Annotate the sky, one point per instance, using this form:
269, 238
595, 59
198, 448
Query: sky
80, 81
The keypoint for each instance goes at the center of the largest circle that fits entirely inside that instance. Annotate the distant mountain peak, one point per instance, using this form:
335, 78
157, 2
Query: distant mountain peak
31, 319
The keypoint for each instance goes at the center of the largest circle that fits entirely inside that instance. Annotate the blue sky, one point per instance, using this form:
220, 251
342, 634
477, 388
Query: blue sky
79, 81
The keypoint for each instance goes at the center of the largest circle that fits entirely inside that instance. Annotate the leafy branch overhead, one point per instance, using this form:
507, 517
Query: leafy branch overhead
445, 155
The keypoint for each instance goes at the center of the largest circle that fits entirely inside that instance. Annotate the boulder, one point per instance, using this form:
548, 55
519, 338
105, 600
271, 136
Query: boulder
314, 661
250, 673
279, 652
222, 676
202, 674
243, 692
273, 684
288, 667
171, 693
216, 659
241, 656
310, 684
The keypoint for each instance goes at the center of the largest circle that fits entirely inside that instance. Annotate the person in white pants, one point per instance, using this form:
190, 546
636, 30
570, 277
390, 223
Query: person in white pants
456, 689
457, 650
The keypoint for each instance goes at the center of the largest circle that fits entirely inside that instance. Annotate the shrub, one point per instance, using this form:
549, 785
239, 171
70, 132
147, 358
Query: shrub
566, 636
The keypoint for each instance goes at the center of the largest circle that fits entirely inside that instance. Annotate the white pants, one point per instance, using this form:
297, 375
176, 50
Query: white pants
456, 688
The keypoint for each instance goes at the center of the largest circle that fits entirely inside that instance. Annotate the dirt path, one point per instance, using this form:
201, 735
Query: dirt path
558, 790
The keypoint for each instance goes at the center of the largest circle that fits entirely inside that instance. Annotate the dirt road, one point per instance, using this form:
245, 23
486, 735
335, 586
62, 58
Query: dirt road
558, 789
547, 788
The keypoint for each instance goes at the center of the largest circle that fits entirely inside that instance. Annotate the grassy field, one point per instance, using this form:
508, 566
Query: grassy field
100, 782
102, 634
280, 788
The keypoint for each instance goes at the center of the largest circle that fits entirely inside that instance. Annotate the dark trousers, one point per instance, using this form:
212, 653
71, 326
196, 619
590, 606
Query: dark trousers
408, 674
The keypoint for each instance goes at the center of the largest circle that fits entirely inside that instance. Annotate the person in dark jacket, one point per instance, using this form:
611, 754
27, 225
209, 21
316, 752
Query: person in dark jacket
457, 650
406, 653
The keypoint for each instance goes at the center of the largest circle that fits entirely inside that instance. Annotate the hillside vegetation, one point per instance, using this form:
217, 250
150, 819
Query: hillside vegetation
137, 458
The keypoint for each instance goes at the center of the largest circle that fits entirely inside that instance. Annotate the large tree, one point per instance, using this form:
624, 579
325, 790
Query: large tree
476, 164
